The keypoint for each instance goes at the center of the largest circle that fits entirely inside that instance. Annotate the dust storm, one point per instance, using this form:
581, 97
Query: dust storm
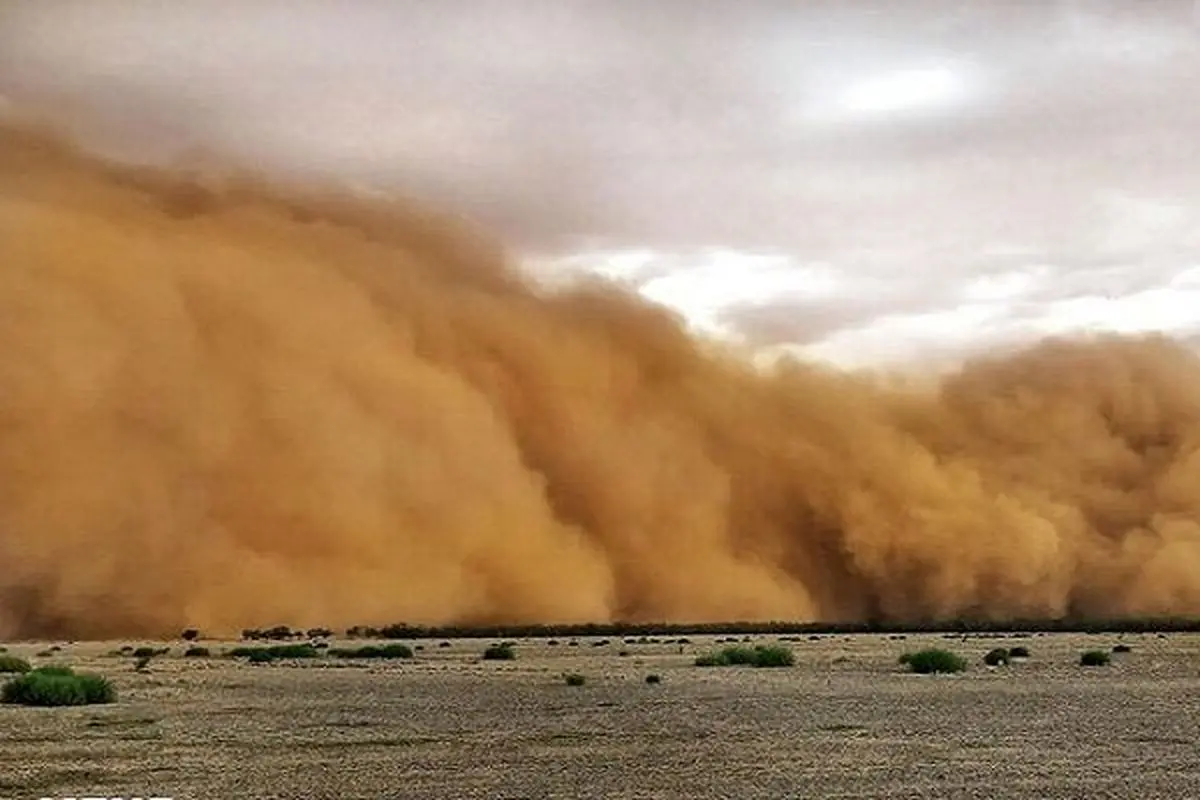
224, 404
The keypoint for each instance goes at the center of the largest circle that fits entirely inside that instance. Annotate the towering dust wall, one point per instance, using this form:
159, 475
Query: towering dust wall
225, 407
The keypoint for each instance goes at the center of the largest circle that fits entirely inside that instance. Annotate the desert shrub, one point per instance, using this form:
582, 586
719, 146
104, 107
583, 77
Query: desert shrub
318, 633
443, 644
13, 664
773, 656
552, 643
653, 679
150, 652
1122, 648
500, 652
373, 651
933, 660
1018, 652
996, 658
623, 653
60, 687
3, 649
197, 652
142, 664
190, 635
574, 679
761, 656
259, 655
1094, 658
55, 670
45, 653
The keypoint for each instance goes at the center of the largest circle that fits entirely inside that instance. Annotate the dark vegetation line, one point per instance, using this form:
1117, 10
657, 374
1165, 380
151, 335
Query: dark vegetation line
405, 631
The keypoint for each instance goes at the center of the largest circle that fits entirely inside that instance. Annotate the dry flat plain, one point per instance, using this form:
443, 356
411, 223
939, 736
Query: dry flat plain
843, 722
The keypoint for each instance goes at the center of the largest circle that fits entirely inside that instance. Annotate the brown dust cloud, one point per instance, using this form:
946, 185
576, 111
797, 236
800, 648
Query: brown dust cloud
223, 406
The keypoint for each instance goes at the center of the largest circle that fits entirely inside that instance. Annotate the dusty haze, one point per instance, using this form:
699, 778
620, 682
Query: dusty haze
224, 406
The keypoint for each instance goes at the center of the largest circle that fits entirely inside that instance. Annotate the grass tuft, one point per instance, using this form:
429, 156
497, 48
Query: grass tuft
933, 660
373, 651
9, 664
760, 656
57, 686
274, 652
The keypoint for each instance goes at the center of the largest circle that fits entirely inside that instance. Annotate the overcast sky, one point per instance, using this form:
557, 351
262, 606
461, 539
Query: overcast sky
873, 181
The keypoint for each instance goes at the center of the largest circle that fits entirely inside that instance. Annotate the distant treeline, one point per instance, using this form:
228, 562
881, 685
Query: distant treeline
617, 629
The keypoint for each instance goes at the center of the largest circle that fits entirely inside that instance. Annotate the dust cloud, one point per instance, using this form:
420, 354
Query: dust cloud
224, 405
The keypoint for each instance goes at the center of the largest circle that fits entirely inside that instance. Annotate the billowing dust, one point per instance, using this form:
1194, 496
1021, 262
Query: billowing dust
228, 406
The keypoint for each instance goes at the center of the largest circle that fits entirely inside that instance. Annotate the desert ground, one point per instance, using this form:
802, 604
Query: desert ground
845, 721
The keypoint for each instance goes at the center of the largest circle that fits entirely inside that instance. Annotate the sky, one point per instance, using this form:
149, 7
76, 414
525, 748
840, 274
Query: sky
864, 182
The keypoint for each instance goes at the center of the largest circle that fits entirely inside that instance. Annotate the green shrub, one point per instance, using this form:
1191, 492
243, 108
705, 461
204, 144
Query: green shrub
574, 679
996, 658
57, 687
773, 656
760, 656
1018, 652
55, 670
1094, 658
933, 660
13, 664
500, 652
197, 652
260, 655
373, 651
653, 679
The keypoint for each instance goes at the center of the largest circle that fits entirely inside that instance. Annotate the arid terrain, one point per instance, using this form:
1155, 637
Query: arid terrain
845, 721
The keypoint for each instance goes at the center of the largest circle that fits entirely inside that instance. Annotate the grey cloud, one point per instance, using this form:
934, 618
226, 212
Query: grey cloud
676, 126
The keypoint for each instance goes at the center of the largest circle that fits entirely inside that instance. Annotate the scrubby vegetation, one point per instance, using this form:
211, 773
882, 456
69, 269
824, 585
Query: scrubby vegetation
10, 664
1122, 648
629, 630
1018, 652
150, 652
260, 655
653, 679
500, 652
57, 686
1094, 658
574, 679
738, 655
373, 651
997, 657
933, 660
197, 652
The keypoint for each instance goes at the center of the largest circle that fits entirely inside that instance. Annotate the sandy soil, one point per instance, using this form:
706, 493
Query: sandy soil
844, 722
